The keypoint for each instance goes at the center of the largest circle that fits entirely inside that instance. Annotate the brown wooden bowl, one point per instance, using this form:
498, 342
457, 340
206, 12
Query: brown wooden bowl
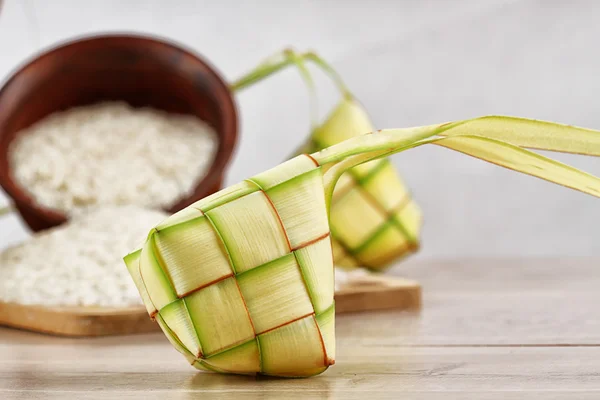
142, 71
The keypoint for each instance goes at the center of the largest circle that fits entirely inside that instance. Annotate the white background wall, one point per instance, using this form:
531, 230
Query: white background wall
411, 63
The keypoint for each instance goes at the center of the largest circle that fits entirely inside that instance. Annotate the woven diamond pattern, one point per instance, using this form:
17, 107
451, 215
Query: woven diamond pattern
249, 273
374, 220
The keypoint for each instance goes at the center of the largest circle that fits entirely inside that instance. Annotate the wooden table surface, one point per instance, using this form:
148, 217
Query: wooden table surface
488, 330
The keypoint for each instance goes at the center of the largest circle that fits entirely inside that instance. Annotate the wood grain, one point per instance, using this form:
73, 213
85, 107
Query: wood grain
523, 348
377, 292
76, 321
361, 293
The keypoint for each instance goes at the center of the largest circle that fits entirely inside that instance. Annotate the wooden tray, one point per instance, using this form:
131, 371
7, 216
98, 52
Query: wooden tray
362, 293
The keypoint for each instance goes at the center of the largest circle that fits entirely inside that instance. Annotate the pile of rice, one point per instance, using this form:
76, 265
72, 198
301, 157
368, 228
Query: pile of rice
109, 167
112, 154
79, 263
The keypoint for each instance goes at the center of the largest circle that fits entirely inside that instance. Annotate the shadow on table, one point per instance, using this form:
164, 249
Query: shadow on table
256, 387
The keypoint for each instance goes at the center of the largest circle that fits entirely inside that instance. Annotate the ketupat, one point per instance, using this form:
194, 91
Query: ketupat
372, 192
230, 309
374, 219
242, 280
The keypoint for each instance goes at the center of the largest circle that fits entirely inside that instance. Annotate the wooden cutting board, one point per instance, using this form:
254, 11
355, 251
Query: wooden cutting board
364, 293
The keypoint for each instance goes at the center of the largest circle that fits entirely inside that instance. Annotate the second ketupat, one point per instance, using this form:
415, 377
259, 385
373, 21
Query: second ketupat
242, 281
374, 219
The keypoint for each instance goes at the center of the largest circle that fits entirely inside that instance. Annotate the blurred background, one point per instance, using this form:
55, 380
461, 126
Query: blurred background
410, 63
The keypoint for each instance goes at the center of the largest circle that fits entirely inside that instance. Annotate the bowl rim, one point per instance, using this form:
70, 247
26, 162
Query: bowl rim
227, 140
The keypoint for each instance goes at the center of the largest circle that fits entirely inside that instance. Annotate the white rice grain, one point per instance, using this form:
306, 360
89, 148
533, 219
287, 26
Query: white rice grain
112, 154
79, 263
